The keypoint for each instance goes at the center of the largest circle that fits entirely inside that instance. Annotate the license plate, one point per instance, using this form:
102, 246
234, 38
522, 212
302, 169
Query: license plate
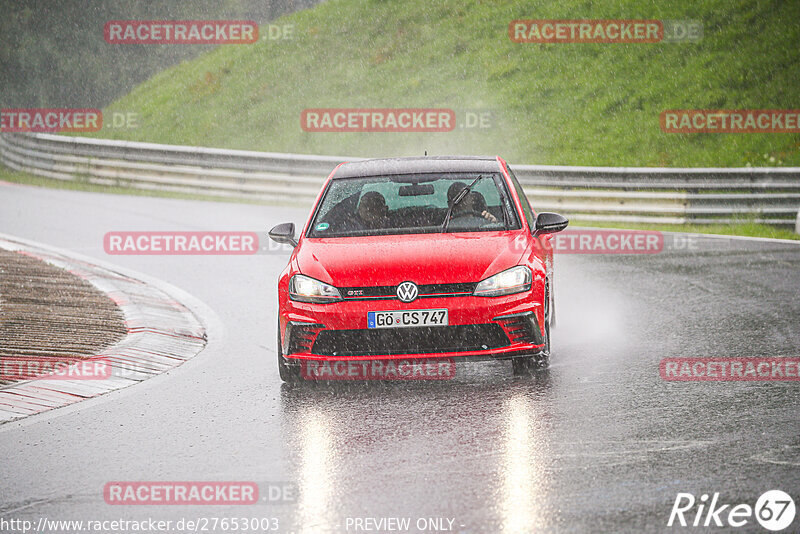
406, 318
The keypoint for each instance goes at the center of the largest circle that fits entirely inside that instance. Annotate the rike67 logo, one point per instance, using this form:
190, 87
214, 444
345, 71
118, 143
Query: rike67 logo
774, 510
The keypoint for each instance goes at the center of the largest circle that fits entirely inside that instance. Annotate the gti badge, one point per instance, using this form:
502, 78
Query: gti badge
407, 291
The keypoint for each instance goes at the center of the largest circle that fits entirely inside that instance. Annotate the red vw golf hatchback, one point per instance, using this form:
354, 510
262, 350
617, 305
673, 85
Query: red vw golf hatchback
428, 257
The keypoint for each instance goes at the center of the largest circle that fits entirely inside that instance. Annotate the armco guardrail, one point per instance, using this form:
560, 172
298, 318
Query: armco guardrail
660, 195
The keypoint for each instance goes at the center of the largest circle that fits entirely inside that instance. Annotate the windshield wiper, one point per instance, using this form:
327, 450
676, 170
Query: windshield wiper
459, 197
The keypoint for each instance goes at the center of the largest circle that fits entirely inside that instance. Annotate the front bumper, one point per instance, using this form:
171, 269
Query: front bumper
479, 328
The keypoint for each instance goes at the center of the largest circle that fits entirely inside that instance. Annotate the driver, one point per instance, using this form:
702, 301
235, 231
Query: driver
477, 204
372, 210
473, 204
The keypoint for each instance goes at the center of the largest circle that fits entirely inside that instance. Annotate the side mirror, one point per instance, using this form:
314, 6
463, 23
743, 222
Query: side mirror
550, 223
284, 234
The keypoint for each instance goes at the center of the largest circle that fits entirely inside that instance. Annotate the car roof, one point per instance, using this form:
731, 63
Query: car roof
417, 165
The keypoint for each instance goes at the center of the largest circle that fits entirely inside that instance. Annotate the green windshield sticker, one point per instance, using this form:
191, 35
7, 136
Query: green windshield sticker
322, 226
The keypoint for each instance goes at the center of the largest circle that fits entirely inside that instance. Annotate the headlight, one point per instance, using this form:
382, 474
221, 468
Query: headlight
306, 289
514, 280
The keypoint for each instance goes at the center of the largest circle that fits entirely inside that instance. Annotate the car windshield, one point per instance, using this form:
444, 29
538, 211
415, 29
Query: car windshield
412, 204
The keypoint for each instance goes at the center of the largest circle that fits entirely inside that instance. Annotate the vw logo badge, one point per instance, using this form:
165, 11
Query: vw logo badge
407, 291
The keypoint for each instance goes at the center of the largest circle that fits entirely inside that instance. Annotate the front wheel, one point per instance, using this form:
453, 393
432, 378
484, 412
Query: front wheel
288, 373
525, 364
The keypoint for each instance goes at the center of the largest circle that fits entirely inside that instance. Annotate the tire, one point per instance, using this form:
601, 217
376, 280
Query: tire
542, 359
544, 356
552, 321
524, 365
288, 373
551, 273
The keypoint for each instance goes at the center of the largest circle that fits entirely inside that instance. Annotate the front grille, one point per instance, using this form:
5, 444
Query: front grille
417, 340
390, 292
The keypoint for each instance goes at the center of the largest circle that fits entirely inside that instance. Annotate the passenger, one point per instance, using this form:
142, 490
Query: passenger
372, 211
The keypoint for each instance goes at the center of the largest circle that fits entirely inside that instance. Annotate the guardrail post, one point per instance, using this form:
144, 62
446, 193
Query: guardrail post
797, 223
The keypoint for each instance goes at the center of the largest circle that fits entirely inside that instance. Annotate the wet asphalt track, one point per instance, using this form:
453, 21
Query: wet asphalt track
598, 443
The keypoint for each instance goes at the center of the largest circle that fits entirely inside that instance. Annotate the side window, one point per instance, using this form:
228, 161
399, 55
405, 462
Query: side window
526, 206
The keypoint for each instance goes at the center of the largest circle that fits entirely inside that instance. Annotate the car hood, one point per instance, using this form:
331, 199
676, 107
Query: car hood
420, 258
